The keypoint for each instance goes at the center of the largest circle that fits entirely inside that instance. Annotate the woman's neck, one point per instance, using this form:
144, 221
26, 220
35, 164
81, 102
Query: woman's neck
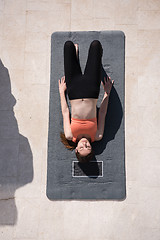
83, 135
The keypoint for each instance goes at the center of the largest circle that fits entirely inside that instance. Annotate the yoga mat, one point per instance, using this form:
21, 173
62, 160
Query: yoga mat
104, 177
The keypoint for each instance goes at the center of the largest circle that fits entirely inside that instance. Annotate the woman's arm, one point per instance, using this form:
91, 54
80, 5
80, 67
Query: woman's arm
101, 117
62, 89
103, 109
66, 117
64, 105
65, 110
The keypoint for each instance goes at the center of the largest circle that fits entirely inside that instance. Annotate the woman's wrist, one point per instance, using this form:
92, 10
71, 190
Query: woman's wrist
107, 94
62, 93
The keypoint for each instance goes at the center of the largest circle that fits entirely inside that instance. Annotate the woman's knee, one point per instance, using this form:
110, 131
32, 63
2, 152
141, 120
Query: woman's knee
96, 43
97, 46
68, 43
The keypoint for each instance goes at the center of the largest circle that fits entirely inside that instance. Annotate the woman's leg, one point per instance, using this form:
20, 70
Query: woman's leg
72, 67
93, 68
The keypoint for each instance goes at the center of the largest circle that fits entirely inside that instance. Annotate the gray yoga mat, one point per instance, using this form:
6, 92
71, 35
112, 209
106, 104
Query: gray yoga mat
104, 177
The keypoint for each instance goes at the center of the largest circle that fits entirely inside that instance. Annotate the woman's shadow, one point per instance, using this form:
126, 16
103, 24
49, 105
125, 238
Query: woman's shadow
112, 124
16, 160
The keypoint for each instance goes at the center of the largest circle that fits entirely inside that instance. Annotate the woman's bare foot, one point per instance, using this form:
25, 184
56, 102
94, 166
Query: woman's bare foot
76, 46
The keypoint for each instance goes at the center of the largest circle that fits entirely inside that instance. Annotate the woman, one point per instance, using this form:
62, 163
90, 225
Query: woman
83, 91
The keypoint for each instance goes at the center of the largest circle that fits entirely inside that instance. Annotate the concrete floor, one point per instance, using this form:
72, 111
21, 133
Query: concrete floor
25, 212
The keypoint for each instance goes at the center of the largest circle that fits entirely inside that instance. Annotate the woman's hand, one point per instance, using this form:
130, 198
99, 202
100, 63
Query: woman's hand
107, 85
62, 85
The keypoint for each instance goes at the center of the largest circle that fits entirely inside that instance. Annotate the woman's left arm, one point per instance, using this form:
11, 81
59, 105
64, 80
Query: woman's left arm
64, 105
62, 89
65, 110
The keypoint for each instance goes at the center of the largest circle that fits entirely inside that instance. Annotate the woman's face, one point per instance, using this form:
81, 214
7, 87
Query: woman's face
84, 147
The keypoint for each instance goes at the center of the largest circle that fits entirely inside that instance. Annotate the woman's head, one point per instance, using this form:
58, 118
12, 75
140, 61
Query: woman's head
84, 151
83, 148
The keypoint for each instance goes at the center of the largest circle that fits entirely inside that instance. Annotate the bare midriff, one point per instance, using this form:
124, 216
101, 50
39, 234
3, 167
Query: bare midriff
84, 108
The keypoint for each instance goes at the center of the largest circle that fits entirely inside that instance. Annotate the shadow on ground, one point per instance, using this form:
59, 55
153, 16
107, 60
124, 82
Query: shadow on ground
16, 160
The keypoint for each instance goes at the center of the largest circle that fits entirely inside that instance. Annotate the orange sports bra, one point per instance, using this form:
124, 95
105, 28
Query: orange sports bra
83, 126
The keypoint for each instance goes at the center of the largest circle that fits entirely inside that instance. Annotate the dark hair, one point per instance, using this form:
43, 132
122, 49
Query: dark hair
85, 159
70, 145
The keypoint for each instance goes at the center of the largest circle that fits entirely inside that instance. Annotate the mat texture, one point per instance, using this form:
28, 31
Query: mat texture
61, 183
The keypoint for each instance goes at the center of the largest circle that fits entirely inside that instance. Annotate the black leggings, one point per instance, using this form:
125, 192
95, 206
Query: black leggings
85, 85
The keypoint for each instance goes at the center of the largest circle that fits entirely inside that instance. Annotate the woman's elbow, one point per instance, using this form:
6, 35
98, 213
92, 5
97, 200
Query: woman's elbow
99, 137
68, 137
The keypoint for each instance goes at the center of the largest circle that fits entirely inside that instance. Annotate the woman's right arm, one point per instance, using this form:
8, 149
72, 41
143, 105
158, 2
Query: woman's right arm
103, 109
